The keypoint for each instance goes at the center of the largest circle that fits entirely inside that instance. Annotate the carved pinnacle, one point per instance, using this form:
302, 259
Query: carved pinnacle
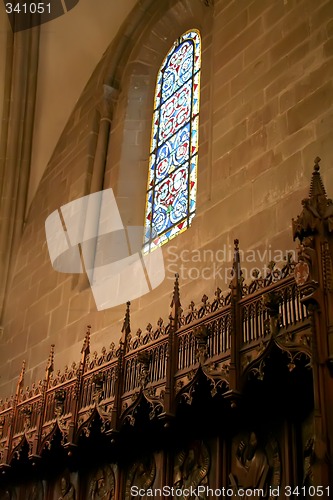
176, 296
316, 187
50, 362
21, 378
127, 320
86, 343
316, 163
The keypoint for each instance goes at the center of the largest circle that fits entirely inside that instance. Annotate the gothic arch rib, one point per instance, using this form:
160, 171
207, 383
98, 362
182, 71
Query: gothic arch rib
256, 366
95, 414
217, 380
17, 450
131, 66
46, 441
154, 405
135, 38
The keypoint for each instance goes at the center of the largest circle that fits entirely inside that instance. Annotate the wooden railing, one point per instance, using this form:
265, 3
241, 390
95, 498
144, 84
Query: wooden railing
153, 359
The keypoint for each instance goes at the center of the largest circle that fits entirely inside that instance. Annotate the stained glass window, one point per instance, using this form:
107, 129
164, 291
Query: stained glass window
171, 192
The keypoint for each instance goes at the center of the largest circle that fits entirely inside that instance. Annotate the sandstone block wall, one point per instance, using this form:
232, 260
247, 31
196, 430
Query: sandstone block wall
266, 112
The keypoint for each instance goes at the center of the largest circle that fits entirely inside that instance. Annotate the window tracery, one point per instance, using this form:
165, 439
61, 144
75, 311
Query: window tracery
172, 178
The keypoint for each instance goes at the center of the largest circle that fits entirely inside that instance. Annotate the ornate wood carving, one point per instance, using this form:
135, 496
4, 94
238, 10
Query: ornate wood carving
255, 466
313, 228
191, 467
216, 346
102, 484
141, 474
160, 367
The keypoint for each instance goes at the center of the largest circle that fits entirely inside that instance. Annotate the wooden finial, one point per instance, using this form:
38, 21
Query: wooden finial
50, 361
86, 343
316, 164
176, 296
127, 320
20, 379
236, 279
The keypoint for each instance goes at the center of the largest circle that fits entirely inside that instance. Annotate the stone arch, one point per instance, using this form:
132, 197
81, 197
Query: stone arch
55, 308
130, 138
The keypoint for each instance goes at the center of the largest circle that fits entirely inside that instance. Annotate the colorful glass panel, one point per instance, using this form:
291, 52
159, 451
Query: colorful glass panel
171, 192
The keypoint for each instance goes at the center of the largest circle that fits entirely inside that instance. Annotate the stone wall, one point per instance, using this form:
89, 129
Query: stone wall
265, 114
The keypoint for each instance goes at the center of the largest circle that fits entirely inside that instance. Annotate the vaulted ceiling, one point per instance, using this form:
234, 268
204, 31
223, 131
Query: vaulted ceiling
70, 48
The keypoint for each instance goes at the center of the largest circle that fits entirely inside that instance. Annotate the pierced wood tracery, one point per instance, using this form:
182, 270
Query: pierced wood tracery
114, 386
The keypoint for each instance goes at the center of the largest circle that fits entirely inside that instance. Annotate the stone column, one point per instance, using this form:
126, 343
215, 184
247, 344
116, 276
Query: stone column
15, 146
106, 107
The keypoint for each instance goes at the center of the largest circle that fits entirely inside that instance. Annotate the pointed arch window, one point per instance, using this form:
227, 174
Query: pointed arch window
172, 178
